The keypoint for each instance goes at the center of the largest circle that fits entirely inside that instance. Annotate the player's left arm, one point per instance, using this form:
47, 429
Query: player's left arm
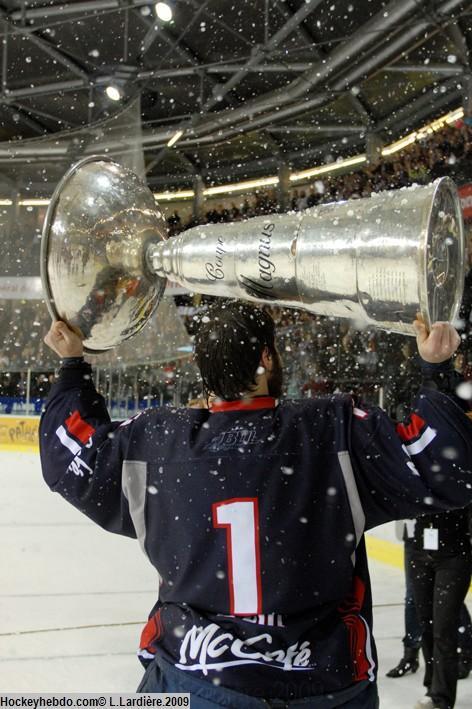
425, 464
421, 466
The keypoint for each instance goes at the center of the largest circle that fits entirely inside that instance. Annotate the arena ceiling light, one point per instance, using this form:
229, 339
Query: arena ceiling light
330, 167
218, 189
399, 144
177, 136
163, 11
439, 123
423, 132
241, 186
113, 93
173, 196
34, 202
455, 116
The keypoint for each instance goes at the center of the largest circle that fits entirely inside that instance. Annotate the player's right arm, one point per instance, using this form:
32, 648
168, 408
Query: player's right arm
82, 450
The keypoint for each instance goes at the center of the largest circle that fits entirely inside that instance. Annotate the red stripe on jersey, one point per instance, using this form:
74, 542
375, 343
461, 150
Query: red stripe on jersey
357, 643
258, 402
413, 430
152, 631
79, 428
357, 633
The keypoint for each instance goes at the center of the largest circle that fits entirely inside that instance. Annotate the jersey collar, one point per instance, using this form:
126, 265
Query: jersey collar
257, 402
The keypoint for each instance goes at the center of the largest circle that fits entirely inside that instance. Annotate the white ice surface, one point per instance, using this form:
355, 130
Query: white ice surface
73, 599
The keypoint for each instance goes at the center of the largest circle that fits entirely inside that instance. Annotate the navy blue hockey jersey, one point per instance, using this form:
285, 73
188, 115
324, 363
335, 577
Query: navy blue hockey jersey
253, 514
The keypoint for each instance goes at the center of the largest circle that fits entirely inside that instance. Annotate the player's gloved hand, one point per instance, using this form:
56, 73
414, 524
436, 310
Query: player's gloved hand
64, 341
439, 344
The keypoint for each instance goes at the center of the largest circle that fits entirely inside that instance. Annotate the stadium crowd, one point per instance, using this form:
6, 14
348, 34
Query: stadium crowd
441, 153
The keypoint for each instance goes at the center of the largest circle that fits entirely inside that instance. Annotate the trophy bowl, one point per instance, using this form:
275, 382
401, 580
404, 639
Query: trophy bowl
99, 223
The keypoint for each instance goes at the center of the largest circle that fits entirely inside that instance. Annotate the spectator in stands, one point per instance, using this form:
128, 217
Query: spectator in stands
294, 200
313, 198
235, 213
174, 223
302, 201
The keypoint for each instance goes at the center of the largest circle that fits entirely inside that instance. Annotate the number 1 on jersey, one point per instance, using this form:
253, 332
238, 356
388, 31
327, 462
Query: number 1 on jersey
240, 518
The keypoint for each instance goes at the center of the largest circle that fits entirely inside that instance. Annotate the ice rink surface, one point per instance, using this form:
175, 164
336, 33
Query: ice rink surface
73, 599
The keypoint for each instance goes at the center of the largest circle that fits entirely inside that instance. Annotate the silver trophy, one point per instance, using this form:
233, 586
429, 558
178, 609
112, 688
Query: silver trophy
379, 261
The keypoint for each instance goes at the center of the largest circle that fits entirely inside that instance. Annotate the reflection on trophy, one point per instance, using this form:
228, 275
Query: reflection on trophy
379, 261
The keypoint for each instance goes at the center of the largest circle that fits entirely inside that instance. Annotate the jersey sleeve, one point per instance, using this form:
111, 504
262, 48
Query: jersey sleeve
421, 466
82, 451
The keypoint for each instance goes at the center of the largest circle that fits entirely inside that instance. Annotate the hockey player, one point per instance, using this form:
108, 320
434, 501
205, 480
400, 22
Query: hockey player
253, 511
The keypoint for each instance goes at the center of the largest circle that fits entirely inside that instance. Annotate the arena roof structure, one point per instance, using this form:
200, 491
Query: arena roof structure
228, 90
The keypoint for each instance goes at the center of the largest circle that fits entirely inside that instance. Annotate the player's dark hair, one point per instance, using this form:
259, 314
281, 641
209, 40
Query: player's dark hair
229, 341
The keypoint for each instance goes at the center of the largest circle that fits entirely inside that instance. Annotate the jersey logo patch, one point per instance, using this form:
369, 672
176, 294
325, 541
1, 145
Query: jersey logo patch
76, 428
79, 467
231, 440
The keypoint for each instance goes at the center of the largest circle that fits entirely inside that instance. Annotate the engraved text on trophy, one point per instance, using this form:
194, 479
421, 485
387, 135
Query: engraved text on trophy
266, 267
214, 271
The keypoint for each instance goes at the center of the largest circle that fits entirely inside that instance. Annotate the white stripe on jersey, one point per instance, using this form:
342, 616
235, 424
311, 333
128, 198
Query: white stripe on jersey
368, 651
145, 654
67, 441
358, 413
358, 516
134, 487
423, 441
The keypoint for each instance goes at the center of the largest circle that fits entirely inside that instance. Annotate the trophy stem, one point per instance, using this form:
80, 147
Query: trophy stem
242, 260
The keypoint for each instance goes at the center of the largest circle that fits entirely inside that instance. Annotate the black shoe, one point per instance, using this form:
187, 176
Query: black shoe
408, 663
464, 667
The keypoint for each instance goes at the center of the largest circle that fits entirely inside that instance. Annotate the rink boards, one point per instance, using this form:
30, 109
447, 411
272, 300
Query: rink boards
19, 433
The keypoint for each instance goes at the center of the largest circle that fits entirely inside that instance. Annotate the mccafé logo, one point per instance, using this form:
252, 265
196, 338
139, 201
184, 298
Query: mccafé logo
212, 648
